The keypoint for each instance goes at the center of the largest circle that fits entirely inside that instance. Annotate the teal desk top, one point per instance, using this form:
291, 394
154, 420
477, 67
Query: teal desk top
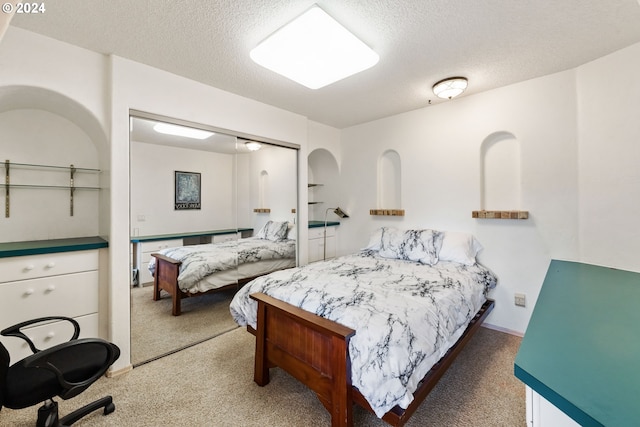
137, 239
581, 350
316, 224
36, 247
151, 238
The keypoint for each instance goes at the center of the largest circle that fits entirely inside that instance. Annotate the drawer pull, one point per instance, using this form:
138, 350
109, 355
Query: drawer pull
51, 264
50, 335
29, 267
28, 292
51, 288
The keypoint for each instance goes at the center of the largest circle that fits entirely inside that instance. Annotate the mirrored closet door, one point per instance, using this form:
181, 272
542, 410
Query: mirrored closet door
204, 198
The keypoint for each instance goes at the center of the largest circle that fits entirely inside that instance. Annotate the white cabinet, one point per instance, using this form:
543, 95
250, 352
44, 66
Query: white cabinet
542, 413
317, 243
57, 284
143, 251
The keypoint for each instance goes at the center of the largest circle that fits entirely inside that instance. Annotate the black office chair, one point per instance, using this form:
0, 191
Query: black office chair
64, 370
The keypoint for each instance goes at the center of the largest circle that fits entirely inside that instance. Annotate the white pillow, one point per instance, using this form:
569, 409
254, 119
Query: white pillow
413, 245
459, 247
273, 230
292, 233
375, 240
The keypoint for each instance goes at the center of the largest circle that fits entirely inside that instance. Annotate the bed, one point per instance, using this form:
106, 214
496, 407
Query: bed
193, 270
378, 327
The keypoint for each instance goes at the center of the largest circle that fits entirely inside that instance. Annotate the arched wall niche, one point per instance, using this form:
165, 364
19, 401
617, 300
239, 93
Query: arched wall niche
45, 128
37, 98
323, 183
500, 177
389, 185
263, 189
389, 182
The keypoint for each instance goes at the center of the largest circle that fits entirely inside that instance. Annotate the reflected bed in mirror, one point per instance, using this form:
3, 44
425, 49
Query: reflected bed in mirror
235, 179
196, 270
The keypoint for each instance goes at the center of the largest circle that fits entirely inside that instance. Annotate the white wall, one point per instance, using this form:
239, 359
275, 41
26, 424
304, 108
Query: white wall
152, 190
110, 87
38, 137
578, 148
609, 159
579, 178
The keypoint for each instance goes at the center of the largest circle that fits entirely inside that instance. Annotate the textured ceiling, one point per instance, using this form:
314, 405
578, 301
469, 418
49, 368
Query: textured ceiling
491, 42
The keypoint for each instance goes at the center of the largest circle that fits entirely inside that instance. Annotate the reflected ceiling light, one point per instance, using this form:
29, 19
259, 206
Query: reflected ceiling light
314, 50
450, 87
252, 145
177, 130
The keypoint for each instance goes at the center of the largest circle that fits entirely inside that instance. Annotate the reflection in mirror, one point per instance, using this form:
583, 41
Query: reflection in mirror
268, 205
193, 199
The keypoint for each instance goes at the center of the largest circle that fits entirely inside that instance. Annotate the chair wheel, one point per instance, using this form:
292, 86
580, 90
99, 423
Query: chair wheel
109, 408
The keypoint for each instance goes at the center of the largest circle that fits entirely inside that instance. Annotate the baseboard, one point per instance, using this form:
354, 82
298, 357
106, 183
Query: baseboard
501, 329
113, 373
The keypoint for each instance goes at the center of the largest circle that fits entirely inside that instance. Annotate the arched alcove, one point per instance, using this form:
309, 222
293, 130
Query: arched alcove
389, 185
263, 189
37, 98
323, 183
500, 177
51, 142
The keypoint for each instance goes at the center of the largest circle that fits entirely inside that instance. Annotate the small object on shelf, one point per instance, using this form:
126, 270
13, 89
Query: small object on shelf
387, 212
500, 214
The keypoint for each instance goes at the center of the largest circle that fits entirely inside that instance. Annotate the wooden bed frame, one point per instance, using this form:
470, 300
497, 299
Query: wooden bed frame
166, 278
315, 351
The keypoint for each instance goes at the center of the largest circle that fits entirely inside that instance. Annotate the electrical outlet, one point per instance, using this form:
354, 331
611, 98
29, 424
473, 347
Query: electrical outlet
520, 300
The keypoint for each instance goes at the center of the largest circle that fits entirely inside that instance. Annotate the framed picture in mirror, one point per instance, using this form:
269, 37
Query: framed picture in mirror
187, 190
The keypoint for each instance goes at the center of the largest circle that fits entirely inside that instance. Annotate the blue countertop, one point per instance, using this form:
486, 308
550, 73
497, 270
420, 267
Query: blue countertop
315, 224
581, 349
36, 247
151, 238
137, 239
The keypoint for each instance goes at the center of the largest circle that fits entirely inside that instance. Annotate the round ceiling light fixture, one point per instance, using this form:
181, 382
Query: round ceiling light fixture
450, 87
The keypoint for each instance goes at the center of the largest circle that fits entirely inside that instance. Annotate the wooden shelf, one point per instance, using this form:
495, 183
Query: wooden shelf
262, 210
500, 214
387, 212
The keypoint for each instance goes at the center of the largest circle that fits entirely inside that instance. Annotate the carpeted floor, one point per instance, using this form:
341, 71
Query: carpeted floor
155, 332
211, 384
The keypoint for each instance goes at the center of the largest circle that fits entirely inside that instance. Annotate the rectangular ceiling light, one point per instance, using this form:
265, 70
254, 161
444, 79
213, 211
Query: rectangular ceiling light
184, 131
314, 50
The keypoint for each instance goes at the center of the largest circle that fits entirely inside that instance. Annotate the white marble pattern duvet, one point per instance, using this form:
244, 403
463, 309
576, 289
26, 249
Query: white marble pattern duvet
200, 261
406, 314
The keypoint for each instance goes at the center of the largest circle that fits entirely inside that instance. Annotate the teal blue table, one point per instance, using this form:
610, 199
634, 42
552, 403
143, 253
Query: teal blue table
37, 247
581, 350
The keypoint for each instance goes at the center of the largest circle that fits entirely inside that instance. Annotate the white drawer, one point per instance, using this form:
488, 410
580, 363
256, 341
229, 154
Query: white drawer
225, 238
48, 335
32, 266
70, 295
318, 232
144, 276
160, 244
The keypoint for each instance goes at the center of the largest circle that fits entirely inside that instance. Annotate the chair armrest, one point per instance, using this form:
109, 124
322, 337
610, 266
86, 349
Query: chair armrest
43, 360
15, 330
